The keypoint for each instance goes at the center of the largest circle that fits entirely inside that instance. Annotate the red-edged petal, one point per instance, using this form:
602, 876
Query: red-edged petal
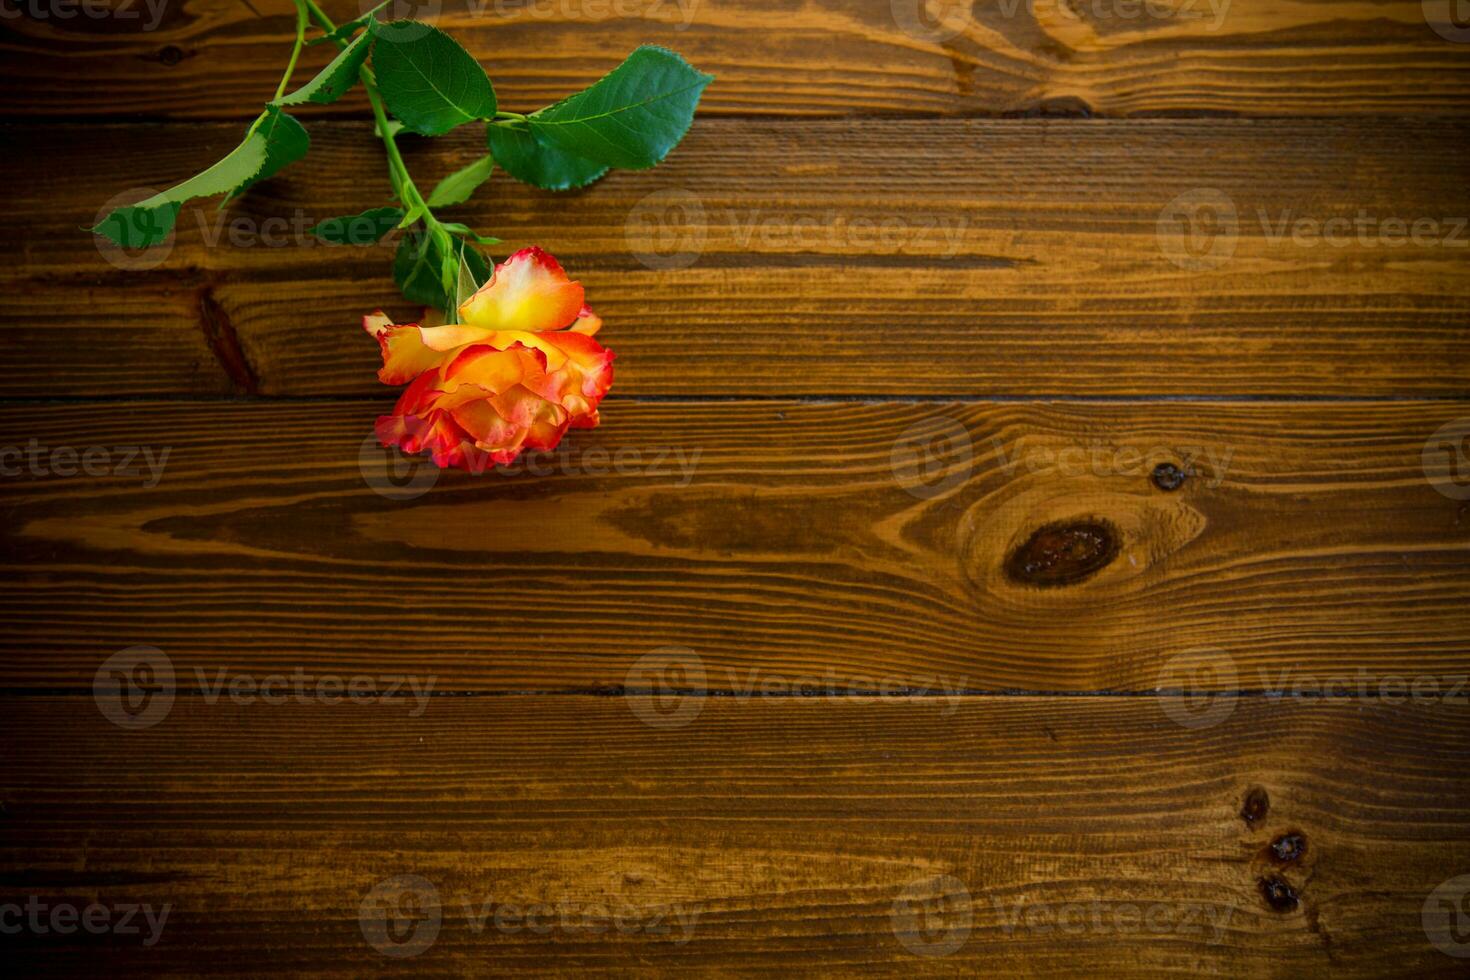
584, 377
488, 427
419, 397
588, 323
547, 432
493, 369
378, 321
437, 434
529, 291
593, 360
481, 372
500, 427
409, 351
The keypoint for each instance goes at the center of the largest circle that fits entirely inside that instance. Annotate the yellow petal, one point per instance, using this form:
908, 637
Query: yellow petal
529, 291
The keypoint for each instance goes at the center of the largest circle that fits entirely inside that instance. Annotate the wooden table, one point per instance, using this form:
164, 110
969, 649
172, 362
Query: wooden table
1027, 534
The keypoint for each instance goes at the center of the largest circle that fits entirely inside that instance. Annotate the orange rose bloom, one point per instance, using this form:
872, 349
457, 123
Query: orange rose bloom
518, 369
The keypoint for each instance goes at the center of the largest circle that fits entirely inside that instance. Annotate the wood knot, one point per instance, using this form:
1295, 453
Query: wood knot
1288, 848
1064, 553
1257, 804
1278, 893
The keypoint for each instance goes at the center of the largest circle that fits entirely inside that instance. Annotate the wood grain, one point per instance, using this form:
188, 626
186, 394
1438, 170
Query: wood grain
839, 648
775, 827
217, 58
902, 258
782, 542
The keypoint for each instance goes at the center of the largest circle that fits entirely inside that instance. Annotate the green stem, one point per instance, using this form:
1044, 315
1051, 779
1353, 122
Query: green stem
322, 20
395, 159
295, 51
515, 116
290, 65
408, 192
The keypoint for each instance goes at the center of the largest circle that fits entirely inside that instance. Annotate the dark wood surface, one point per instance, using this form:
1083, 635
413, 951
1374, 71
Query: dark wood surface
775, 829
1007, 579
854, 257
781, 538
797, 57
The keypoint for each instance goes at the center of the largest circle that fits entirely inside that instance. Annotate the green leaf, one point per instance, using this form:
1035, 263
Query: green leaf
285, 143
416, 270
528, 159
140, 225
632, 117
428, 80
367, 228
394, 128
416, 212
467, 232
458, 186
333, 81
275, 141
418, 265
351, 27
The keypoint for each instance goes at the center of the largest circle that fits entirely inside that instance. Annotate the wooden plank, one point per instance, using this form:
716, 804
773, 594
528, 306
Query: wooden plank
849, 543
1022, 257
1096, 840
217, 58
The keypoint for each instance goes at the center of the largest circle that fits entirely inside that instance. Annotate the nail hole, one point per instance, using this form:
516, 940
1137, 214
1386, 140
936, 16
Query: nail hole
1168, 477
1288, 847
1257, 804
1279, 895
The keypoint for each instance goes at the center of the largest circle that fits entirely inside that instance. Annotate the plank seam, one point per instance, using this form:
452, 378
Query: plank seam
22, 401
617, 691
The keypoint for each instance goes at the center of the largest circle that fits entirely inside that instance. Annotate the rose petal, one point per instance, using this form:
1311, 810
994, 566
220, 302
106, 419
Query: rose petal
480, 371
584, 377
493, 369
528, 291
418, 398
588, 323
409, 351
504, 437
378, 321
438, 434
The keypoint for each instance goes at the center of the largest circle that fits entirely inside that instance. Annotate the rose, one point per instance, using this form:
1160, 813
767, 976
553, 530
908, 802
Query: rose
518, 369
